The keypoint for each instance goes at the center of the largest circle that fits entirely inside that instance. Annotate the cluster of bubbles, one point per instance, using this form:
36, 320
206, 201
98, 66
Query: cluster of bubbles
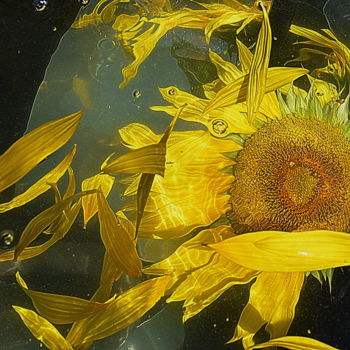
40, 5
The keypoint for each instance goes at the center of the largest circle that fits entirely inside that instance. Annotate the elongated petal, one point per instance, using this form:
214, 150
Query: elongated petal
258, 68
146, 180
41, 185
237, 91
245, 56
272, 301
40, 222
60, 309
103, 181
62, 229
117, 240
121, 313
295, 343
110, 273
287, 251
43, 330
35, 146
149, 159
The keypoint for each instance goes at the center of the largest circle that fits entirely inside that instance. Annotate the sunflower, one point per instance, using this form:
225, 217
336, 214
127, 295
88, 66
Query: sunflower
266, 202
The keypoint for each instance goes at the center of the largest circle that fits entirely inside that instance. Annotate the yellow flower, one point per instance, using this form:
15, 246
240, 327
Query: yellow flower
271, 200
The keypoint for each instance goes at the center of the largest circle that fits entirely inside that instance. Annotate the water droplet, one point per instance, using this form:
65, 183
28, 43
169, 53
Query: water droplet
40, 5
219, 126
6, 238
136, 94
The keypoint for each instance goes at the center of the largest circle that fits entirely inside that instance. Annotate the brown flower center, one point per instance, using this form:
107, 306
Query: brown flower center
293, 174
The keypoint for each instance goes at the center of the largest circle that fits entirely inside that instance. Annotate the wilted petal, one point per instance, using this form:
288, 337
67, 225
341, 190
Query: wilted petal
278, 251
117, 240
295, 343
272, 301
89, 203
43, 330
32, 148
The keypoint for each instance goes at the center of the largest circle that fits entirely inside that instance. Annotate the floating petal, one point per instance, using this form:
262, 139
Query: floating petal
35, 146
278, 251
43, 330
272, 301
41, 186
237, 91
89, 203
117, 240
60, 309
121, 313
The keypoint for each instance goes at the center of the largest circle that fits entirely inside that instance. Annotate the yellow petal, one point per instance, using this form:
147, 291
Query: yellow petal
43, 330
117, 240
60, 309
287, 251
258, 68
193, 191
138, 135
110, 273
245, 56
295, 343
149, 159
272, 301
40, 222
237, 91
199, 276
41, 185
146, 180
35, 146
227, 71
122, 312
103, 181
61, 231
230, 17
231, 120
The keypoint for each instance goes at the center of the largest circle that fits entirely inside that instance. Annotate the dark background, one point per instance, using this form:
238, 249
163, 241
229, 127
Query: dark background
28, 38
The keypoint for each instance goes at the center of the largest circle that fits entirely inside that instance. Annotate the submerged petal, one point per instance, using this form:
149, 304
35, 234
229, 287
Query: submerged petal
89, 203
117, 240
60, 309
41, 185
199, 276
35, 146
272, 301
193, 191
122, 312
279, 251
43, 330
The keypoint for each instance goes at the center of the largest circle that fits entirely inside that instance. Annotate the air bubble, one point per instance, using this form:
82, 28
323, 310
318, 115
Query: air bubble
219, 126
84, 2
40, 5
6, 238
136, 94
